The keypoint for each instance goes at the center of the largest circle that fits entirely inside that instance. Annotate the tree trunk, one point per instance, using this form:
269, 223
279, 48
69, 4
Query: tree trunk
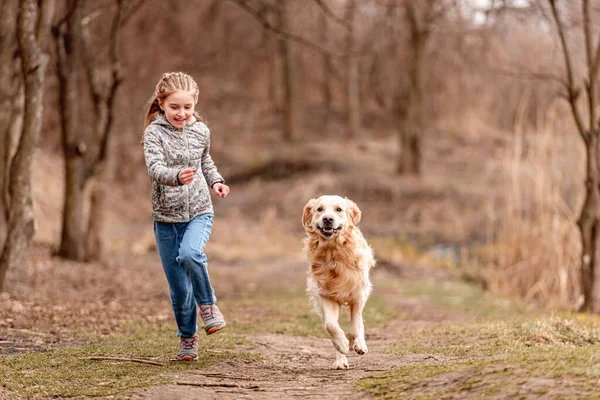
409, 162
69, 48
95, 247
34, 62
412, 126
274, 69
291, 96
353, 78
326, 86
589, 224
11, 104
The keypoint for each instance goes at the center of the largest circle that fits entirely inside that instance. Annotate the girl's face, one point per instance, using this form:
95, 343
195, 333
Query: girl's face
178, 107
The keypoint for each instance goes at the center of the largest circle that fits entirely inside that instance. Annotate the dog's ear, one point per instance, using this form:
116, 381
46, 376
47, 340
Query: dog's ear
307, 214
353, 212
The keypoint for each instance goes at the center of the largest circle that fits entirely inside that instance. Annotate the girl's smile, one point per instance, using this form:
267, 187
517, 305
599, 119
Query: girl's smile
178, 107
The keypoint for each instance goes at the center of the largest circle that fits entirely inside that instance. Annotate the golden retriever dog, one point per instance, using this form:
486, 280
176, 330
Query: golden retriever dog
340, 260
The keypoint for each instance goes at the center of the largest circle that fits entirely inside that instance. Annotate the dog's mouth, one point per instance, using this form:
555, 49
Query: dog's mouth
328, 231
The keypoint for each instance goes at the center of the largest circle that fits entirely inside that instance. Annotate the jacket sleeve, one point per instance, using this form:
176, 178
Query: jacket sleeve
155, 161
209, 169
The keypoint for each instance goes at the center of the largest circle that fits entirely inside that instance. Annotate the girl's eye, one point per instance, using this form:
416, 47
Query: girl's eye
339, 209
320, 209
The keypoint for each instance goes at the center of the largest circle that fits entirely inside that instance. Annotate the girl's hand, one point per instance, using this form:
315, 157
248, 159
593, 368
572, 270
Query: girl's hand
221, 189
186, 175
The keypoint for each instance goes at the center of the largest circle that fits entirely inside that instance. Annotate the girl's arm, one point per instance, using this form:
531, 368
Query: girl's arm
209, 169
155, 161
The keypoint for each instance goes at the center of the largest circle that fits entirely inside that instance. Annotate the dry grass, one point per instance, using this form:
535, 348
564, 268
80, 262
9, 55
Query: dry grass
534, 249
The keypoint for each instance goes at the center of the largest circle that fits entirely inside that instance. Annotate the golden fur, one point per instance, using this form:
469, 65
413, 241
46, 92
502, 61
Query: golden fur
340, 260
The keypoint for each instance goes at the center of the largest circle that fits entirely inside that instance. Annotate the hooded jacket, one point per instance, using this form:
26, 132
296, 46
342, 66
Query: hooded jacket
167, 151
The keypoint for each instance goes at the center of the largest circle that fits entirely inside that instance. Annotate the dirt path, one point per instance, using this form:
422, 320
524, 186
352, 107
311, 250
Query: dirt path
294, 366
289, 366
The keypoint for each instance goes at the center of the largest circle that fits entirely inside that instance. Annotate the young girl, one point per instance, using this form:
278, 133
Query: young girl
176, 146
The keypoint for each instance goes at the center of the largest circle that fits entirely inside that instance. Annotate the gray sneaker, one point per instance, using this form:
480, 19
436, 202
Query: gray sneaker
188, 349
212, 317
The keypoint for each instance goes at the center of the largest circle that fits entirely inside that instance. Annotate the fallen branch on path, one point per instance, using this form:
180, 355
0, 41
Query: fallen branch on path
135, 360
231, 385
225, 376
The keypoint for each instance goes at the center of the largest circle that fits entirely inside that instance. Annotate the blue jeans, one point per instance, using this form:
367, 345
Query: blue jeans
181, 249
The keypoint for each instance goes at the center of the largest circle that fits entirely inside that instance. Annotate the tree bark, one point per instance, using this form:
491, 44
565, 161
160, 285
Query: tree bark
34, 63
11, 104
589, 224
69, 52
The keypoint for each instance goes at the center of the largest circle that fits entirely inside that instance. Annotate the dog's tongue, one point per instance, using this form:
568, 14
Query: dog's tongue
328, 229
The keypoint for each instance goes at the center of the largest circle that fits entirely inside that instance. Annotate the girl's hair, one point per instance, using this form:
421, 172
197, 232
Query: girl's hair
167, 85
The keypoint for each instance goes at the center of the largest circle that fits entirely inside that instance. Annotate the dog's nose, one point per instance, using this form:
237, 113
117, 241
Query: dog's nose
328, 220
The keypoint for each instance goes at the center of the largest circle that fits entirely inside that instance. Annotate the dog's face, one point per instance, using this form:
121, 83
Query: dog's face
330, 215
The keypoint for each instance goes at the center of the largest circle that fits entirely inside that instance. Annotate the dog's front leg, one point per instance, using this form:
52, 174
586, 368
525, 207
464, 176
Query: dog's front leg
331, 314
357, 328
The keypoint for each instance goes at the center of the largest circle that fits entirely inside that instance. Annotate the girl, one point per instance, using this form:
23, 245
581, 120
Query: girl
176, 145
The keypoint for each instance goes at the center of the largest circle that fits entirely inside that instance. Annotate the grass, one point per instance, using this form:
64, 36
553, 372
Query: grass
68, 371
291, 313
557, 357
465, 298
503, 350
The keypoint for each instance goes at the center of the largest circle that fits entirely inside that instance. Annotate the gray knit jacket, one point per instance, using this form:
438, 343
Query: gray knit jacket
168, 150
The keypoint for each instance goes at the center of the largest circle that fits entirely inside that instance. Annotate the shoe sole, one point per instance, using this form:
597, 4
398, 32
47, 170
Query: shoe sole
215, 329
187, 358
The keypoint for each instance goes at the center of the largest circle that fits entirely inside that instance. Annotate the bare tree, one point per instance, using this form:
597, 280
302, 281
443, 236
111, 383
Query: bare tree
103, 89
69, 44
409, 107
353, 73
11, 104
86, 154
292, 104
589, 133
31, 26
327, 91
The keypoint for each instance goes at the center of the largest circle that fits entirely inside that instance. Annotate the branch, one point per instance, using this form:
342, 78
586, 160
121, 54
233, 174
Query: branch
103, 102
330, 14
116, 75
285, 34
72, 7
44, 20
136, 5
573, 93
530, 75
135, 360
588, 55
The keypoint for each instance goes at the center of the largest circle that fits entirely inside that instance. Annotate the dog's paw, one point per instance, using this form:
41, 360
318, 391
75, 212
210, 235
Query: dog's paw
360, 346
341, 362
341, 344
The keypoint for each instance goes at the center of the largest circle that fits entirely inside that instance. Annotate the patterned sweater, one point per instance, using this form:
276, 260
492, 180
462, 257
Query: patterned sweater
168, 150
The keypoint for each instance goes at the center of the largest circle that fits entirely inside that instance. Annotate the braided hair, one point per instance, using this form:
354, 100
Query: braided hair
169, 83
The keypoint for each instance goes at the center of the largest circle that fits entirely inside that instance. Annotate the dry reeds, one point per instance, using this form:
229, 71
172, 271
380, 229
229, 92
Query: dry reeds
535, 245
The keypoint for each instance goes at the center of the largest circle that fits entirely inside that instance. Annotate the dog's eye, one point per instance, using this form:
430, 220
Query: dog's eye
339, 209
320, 209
